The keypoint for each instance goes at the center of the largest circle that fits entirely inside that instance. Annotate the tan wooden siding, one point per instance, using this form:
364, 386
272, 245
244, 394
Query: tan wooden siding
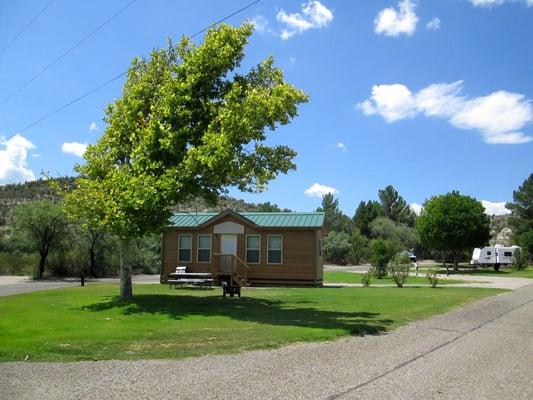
300, 262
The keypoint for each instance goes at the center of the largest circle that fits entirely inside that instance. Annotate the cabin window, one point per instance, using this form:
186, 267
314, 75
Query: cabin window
507, 254
204, 248
275, 249
184, 248
253, 249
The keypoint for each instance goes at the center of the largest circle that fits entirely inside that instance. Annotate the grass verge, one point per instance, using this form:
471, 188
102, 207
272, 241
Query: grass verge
90, 323
351, 277
505, 272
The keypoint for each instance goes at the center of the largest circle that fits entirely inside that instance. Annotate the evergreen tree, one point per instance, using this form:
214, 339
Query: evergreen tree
365, 214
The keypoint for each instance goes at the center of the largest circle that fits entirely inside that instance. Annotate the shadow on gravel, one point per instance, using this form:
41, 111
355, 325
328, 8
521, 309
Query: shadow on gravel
264, 311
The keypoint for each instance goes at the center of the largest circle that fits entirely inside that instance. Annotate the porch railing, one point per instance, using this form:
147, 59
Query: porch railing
230, 264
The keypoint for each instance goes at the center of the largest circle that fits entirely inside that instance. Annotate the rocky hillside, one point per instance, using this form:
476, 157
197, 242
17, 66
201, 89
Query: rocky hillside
13, 195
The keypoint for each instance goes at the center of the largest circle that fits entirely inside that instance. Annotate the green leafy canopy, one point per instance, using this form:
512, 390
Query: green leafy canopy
189, 124
453, 222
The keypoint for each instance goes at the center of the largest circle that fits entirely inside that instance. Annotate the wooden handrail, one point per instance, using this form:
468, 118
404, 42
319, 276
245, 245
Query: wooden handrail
235, 256
243, 272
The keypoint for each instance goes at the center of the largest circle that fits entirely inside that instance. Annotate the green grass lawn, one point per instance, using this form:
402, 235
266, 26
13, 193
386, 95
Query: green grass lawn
90, 323
351, 277
506, 272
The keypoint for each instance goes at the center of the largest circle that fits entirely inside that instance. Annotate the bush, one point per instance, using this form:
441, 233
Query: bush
432, 276
366, 279
398, 268
382, 252
17, 263
337, 247
520, 259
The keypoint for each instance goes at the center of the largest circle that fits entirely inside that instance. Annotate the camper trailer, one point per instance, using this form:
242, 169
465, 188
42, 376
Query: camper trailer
496, 256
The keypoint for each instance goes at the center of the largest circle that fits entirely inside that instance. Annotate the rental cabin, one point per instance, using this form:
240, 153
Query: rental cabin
256, 248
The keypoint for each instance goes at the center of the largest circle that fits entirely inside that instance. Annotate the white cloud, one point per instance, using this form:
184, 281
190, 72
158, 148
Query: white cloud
314, 15
417, 208
318, 190
260, 24
434, 24
499, 117
495, 208
292, 61
75, 148
392, 102
340, 146
493, 3
391, 22
13, 159
93, 127
486, 3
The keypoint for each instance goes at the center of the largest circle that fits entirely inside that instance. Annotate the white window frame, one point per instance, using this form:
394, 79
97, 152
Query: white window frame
246, 249
184, 248
204, 248
268, 249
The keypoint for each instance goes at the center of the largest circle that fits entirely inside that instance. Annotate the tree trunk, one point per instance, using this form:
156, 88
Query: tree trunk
126, 291
92, 257
455, 261
42, 262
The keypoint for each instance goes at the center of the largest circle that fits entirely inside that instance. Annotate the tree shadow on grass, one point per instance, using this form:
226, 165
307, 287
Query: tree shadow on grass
247, 309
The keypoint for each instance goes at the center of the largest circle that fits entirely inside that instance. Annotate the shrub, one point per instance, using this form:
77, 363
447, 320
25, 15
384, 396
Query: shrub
337, 247
18, 263
366, 279
398, 268
382, 252
520, 259
432, 276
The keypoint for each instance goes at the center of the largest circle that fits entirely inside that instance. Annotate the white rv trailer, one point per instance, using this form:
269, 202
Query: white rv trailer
493, 256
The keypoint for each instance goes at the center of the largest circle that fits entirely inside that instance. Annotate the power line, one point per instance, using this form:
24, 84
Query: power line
57, 110
65, 53
26, 27
73, 101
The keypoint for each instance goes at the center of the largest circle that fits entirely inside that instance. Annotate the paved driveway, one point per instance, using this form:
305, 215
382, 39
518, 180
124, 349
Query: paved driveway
482, 351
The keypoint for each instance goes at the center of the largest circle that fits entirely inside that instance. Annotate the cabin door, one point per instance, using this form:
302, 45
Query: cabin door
228, 248
228, 244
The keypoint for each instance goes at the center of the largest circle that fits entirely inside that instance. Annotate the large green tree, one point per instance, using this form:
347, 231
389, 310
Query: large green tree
365, 214
39, 226
395, 207
190, 123
334, 219
385, 228
337, 247
453, 222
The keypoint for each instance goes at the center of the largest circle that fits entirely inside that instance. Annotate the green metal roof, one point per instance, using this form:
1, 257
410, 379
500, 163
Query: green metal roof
263, 219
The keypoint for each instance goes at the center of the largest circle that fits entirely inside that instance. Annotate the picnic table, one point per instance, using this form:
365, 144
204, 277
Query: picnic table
181, 277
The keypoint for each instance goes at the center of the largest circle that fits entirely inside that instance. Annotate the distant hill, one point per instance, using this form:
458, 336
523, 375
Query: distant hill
15, 194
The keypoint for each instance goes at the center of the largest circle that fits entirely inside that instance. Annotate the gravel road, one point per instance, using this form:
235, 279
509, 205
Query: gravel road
482, 351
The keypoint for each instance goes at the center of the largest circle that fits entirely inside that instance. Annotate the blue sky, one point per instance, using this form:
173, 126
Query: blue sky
429, 96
